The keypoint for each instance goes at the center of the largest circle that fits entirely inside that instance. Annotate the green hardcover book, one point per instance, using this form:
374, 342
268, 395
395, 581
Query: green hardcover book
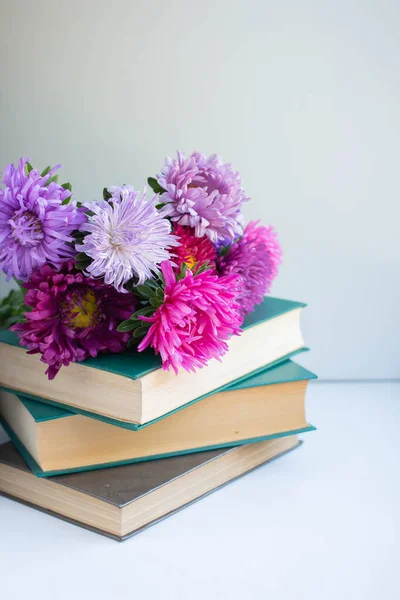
268, 405
132, 389
122, 501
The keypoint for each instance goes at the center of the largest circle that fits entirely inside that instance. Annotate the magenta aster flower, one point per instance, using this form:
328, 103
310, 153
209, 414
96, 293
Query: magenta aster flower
198, 315
193, 251
255, 257
72, 317
127, 237
203, 193
35, 227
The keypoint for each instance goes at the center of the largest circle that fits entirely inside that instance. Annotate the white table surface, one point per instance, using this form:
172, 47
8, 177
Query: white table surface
320, 523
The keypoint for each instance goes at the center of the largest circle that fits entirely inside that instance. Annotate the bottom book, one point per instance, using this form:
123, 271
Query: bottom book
122, 501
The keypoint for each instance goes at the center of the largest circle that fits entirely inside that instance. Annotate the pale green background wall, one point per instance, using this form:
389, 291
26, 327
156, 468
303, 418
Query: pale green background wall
302, 97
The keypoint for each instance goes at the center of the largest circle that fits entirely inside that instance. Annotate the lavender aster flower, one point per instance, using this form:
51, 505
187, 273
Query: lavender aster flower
127, 237
255, 257
35, 227
203, 193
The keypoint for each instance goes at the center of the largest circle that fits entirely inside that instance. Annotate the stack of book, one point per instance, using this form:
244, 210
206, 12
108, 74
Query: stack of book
116, 443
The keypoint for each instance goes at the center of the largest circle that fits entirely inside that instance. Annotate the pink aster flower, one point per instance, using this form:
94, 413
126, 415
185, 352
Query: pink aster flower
72, 317
255, 257
203, 193
193, 251
199, 314
35, 225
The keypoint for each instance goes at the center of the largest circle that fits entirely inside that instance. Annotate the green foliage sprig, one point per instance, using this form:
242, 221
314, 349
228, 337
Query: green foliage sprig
155, 186
12, 308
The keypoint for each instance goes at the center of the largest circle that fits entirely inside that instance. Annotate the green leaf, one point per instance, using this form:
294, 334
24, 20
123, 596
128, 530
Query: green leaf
204, 267
106, 194
155, 186
145, 291
79, 236
66, 201
5, 311
143, 312
126, 326
160, 294
12, 308
28, 168
182, 271
8, 322
52, 179
224, 250
14, 298
155, 302
82, 261
67, 186
132, 342
140, 332
45, 172
82, 266
81, 256
152, 283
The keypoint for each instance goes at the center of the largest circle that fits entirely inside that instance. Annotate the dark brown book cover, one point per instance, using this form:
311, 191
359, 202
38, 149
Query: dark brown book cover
122, 486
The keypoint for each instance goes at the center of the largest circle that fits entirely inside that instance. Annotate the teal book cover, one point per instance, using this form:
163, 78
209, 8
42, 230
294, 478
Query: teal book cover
133, 365
42, 413
137, 427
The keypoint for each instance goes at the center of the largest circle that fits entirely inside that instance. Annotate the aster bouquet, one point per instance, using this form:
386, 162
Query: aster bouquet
175, 273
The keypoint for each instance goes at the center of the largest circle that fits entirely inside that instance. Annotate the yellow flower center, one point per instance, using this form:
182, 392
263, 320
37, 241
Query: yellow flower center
83, 311
190, 260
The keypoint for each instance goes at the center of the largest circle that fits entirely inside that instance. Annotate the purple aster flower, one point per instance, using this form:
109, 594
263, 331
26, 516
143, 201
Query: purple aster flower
203, 193
35, 227
72, 317
127, 237
256, 257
